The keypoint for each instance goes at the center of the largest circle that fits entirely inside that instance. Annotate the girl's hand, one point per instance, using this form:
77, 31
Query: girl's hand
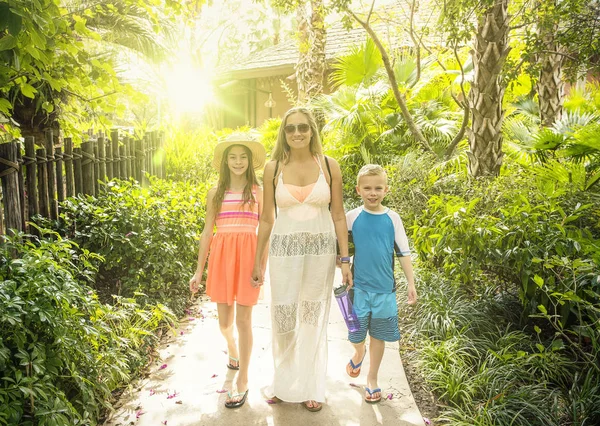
257, 278
347, 275
195, 282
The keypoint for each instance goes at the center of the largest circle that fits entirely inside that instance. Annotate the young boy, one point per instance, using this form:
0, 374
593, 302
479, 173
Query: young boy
377, 233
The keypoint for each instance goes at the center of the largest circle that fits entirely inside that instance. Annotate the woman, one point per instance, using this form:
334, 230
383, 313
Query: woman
308, 215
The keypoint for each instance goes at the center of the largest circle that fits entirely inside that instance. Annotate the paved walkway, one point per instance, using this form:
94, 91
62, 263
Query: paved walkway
186, 390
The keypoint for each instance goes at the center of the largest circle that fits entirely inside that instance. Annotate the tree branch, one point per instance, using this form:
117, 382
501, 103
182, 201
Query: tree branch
392, 77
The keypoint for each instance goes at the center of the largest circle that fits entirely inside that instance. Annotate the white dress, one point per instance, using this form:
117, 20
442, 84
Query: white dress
302, 266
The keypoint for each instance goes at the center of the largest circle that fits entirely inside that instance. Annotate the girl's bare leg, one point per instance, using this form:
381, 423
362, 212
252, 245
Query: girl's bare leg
244, 326
226, 314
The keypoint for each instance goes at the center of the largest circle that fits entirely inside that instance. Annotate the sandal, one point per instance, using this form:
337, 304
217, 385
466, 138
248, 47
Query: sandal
231, 366
371, 392
236, 404
313, 409
350, 367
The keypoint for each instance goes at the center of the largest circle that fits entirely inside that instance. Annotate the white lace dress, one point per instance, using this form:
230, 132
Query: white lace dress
302, 266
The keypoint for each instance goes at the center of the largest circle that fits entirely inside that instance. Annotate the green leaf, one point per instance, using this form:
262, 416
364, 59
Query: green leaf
7, 42
28, 90
540, 347
538, 280
5, 106
15, 22
4, 14
537, 329
542, 309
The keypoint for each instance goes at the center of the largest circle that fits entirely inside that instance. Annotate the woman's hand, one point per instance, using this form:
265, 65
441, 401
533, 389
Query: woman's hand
195, 282
257, 278
347, 275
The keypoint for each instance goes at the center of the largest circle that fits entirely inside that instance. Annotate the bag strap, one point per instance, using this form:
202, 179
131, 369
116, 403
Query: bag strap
328, 171
274, 177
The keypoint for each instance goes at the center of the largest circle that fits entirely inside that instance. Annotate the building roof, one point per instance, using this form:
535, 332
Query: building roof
388, 23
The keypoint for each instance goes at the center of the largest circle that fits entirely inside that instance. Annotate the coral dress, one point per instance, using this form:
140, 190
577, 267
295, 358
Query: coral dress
232, 251
302, 266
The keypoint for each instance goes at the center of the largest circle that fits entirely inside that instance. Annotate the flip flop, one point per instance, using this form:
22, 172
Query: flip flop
231, 366
313, 409
239, 403
371, 392
350, 366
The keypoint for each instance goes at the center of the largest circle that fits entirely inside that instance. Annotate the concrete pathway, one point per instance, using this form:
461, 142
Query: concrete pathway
186, 390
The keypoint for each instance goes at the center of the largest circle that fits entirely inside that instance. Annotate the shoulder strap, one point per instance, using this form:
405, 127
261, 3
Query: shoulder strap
274, 177
328, 171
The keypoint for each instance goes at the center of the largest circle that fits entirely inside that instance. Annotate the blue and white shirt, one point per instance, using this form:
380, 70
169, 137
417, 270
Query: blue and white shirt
377, 236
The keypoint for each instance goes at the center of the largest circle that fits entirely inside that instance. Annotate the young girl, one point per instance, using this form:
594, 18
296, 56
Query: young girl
234, 206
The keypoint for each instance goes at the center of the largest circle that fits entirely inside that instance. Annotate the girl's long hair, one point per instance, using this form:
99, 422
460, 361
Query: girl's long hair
281, 152
225, 181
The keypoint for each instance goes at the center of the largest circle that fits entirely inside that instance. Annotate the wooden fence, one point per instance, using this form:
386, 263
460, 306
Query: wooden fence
36, 180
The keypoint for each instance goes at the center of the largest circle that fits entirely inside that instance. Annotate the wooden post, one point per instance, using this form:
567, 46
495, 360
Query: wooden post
51, 175
130, 158
60, 182
163, 164
77, 171
109, 160
101, 159
97, 176
68, 158
40, 156
140, 159
123, 161
114, 136
10, 185
21, 186
87, 168
33, 204
149, 152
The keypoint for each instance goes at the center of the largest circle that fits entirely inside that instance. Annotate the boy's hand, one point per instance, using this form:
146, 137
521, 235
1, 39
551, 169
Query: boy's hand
347, 275
412, 295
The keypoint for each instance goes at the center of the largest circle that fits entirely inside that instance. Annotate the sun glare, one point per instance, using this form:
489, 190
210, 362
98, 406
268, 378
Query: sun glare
189, 88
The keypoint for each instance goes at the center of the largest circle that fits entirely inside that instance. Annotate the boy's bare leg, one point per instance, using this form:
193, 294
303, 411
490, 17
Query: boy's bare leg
244, 327
226, 314
359, 353
376, 349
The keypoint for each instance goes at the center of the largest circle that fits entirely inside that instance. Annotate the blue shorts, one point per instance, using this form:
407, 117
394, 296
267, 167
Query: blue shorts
377, 313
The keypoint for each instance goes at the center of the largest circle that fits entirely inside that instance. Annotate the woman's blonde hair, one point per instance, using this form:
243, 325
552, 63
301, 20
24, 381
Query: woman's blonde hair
281, 152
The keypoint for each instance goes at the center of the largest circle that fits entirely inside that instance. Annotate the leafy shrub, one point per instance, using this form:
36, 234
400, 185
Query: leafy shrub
488, 372
62, 352
511, 229
144, 235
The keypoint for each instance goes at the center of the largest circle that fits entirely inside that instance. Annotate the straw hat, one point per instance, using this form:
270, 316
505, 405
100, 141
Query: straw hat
246, 139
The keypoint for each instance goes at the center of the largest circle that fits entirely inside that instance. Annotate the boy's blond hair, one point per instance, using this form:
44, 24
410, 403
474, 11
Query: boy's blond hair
371, 170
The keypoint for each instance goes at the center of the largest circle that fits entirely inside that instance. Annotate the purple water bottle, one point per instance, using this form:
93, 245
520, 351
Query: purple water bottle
345, 304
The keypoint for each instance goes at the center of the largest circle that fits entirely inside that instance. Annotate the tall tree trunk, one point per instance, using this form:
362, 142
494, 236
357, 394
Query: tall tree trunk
550, 86
316, 54
303, 65
487, 90
310, 70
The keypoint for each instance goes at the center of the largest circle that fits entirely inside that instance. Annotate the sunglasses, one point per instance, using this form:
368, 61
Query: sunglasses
291, 128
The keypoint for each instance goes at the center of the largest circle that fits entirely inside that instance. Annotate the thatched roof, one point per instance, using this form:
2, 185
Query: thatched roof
389, 23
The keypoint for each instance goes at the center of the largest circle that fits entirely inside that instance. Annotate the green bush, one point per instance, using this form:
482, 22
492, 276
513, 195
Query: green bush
62, 352
144, 235
485, 370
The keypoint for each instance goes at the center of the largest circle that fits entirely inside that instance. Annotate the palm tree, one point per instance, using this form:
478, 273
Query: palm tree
487, 90
550, 85
310, 69
121, 25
